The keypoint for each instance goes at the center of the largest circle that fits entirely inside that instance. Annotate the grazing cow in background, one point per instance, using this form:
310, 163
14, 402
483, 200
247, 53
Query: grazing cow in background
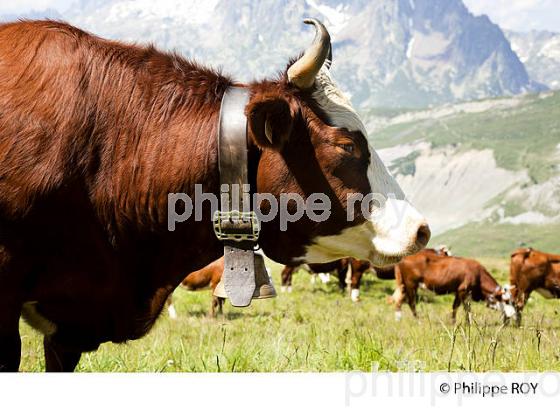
338, 268
94, 137
320, 272
388, 272
207, 277
532, 270
358, 268
466, 278
348, 270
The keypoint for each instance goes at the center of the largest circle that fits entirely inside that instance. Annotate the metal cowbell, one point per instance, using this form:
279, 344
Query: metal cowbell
264, 287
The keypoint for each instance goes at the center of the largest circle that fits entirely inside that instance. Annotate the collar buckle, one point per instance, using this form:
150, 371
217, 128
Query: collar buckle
236, 226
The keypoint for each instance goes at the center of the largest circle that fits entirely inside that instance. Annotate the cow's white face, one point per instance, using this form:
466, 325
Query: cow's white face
506, 293
393, 228
504, 305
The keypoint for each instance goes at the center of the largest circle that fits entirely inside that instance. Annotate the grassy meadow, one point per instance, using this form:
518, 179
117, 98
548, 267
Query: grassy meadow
316, 328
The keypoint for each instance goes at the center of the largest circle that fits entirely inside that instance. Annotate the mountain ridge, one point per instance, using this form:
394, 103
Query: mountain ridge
539, 50
388, 53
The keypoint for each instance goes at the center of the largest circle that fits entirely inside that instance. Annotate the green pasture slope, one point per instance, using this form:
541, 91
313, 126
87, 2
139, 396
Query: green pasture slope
498, 240
316, 329
522, 137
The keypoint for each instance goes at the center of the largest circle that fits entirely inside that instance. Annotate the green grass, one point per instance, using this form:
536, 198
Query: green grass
490, 239
315, 328
522, 137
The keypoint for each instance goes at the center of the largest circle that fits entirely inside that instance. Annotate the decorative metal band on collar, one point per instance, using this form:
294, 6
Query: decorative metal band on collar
235, 224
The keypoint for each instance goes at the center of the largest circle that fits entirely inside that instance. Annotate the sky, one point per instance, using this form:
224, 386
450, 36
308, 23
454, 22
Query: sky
23, 6
519, 15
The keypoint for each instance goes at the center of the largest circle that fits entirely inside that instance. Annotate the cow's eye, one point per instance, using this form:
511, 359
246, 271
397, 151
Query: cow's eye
349, 148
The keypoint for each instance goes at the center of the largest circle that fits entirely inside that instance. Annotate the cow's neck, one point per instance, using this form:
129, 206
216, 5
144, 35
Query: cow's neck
488, 285
183, 156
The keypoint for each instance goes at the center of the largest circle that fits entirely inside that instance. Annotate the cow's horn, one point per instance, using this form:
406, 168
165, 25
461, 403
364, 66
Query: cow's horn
302, 73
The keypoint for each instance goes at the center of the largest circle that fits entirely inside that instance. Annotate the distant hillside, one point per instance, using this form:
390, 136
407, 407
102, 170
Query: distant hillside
498, 240
492, 161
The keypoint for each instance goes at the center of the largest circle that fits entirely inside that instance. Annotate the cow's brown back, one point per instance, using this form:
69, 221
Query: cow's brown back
531, 270
209, 276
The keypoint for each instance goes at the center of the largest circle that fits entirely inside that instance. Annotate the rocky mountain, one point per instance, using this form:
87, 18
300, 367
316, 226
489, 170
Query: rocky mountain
539, 51
388, 53
417, 52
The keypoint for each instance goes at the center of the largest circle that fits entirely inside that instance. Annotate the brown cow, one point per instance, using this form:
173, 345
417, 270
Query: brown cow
208, 276
94, 137
466, 278
338, 267
388, 272
355, 268
532, 270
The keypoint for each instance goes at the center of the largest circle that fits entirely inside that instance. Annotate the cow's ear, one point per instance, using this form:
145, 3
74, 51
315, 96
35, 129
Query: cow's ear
270, 120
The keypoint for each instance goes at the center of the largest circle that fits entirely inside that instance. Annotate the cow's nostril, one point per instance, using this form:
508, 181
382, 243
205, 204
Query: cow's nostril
423, 236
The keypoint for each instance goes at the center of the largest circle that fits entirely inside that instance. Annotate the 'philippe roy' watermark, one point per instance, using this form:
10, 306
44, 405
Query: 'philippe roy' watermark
288, 207
410, 381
